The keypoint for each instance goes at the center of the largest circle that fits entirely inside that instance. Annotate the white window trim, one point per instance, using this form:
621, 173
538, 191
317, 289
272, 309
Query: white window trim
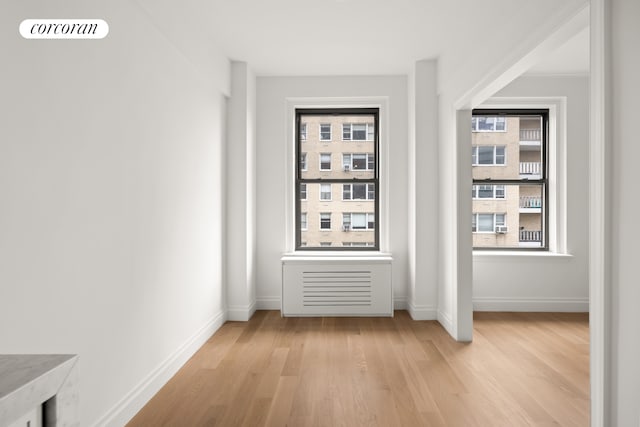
306, 161
330, 193
475, 214
303, 135
557, 167
320, 221
305, 193
320, 162
477, 191
320, 139
351, 132
366, 199
306, 222
494, 164
491, 131
382, 103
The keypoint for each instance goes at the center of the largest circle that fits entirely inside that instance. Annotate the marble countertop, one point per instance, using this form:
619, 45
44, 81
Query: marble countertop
28, 380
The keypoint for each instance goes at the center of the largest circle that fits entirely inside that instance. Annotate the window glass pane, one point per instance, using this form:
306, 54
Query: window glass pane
340, 147
358, 221
485, 222
485, 192
325, 191
513, 219
359, 191
358, 132
345, 157
359, 161
485, 155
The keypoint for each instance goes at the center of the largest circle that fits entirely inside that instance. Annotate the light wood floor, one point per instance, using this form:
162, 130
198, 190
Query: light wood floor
522, 369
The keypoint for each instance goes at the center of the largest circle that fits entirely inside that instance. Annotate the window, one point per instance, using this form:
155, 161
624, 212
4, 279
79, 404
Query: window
303, 132
325, 161
487, 222
325, 132
358, 161
358, 221
358, 191
488, 124
303, 161
325, 221
488, 192
358, 131
488, 155
357, 244
325, 191
353, 175
516, 190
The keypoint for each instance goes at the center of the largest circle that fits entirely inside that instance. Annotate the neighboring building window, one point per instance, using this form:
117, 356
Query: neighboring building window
487, 222
358, 161
488, 192
357, 244
350, 167
325, 221
303, 132
358, 131
325, 132
325, 161
325, 191
488, 155
358, 191
358, 221
488, 124
517, 189
303, 161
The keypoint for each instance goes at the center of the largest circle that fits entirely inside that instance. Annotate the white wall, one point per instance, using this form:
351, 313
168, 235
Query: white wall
532, 282
272, 137
110, 185
625, 289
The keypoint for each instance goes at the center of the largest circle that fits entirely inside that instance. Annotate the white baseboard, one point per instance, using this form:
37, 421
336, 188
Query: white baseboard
446, 322
561, 305
268, 303
132, 402
241, 313
422, 312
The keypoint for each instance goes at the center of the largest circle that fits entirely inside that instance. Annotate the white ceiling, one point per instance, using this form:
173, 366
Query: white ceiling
351, 37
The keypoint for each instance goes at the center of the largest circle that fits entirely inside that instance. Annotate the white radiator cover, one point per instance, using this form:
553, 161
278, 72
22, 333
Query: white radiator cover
337, 286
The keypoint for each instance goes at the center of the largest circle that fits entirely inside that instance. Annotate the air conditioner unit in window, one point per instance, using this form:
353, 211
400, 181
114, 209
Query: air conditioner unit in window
346, 228
346, 168
501, 229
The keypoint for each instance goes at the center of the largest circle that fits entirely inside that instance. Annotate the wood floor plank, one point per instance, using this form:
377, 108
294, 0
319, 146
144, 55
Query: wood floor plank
523, 369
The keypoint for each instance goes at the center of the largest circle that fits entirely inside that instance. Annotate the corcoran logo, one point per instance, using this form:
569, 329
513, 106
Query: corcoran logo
64, 29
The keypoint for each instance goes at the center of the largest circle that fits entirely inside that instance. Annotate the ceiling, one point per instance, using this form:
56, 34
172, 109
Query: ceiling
570, 58
353, 37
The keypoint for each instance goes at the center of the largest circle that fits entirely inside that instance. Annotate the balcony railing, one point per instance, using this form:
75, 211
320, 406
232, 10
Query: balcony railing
530, 135
530, 236
529, 168
530, 202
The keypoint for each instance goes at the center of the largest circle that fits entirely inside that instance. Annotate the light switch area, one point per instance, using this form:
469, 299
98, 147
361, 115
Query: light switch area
31, 419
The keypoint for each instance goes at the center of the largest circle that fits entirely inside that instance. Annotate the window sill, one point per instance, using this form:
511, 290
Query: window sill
519, 254
336, 256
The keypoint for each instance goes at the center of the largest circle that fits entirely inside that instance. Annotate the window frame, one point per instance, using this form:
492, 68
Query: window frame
475, 153
543, 182
320, 138
366, 130
475, 190
375, 179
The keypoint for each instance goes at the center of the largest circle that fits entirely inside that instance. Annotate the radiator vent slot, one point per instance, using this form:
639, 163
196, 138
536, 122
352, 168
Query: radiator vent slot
336, 288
